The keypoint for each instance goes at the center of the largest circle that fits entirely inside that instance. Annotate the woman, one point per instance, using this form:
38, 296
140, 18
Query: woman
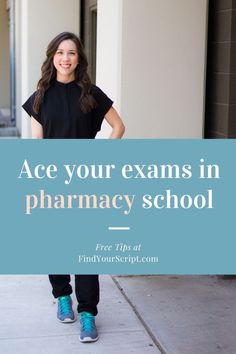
66, 105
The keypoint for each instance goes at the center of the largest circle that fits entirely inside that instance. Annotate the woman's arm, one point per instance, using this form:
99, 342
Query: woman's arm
36, 129
118, 128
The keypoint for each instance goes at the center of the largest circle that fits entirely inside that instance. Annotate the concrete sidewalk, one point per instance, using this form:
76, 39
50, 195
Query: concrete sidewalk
186, 314
28, 321
137, 314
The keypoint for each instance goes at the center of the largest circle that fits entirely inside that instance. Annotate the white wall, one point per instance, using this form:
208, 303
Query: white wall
19, 46
4, 57
39, 22
162, 69
109, 41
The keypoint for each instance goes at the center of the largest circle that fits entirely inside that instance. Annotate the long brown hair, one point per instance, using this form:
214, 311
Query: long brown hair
87, 102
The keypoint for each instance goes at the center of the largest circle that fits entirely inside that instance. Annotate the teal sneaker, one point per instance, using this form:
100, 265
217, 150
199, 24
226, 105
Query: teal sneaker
88, 328
65, 312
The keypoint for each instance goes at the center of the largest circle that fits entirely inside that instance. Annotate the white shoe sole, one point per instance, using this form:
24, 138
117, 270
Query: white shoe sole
67, 320
88, 339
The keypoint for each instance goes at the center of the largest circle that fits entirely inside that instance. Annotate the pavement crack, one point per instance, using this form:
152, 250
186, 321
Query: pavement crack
145, 325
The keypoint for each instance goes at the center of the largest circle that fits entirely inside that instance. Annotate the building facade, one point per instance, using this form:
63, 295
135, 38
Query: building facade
220, 117
149, 56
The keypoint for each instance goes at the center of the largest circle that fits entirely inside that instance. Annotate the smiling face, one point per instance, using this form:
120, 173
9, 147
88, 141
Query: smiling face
66, 60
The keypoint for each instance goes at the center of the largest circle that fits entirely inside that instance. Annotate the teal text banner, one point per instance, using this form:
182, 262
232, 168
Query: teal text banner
118, 206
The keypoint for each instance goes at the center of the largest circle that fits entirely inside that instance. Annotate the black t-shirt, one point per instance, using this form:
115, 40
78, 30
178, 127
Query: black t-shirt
60, 114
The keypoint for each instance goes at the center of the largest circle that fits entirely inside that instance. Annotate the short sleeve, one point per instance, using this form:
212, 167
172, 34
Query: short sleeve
28, 107
104, 103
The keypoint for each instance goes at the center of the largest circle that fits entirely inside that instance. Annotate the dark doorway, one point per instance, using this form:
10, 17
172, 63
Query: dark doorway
89, 33
220, 117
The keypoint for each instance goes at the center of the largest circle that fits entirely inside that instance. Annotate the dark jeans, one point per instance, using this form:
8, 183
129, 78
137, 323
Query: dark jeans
86, 290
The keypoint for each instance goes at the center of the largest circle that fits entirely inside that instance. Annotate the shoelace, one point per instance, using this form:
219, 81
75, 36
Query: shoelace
65, 304
87, 322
